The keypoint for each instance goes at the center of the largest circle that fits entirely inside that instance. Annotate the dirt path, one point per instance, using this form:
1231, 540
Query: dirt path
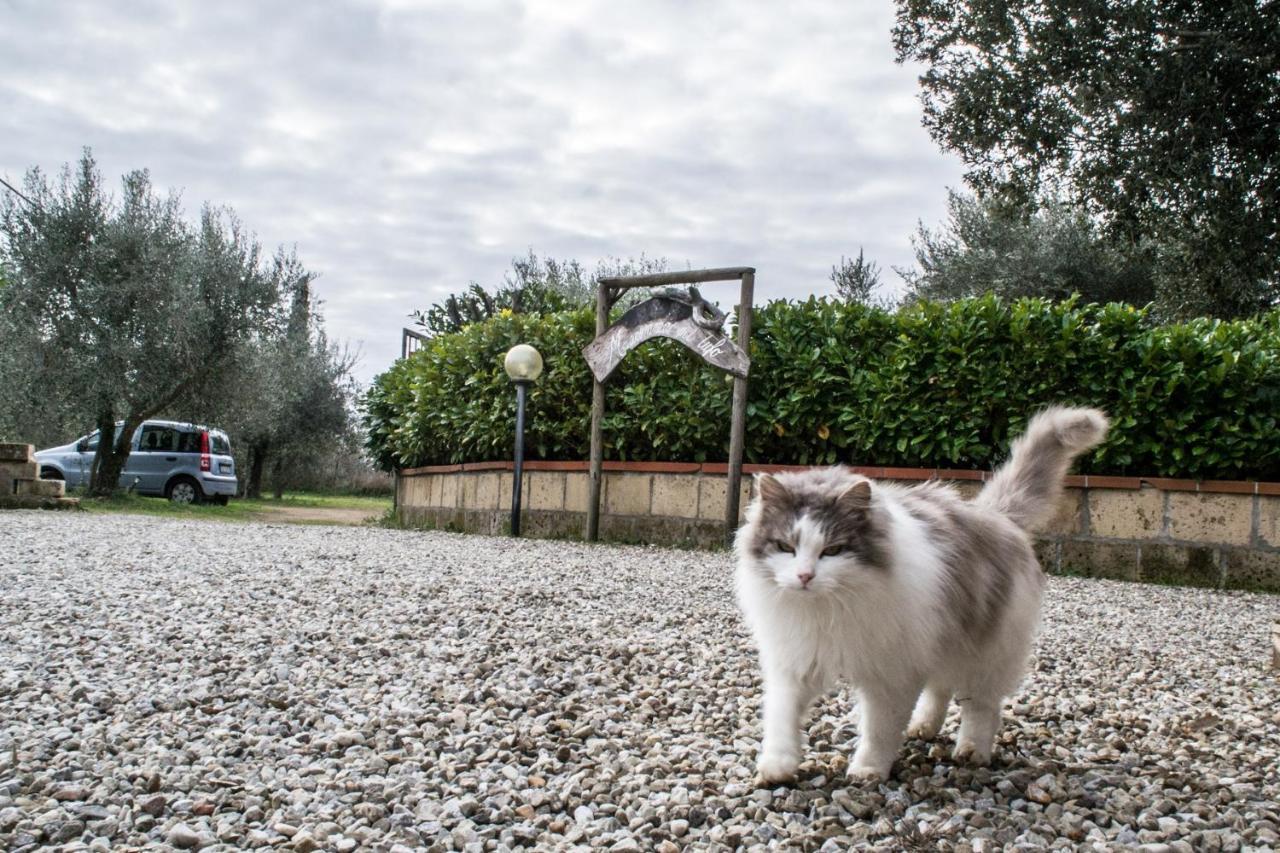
317, 515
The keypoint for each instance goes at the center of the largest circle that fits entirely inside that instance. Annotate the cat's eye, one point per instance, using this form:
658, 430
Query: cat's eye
784, 547
833, 550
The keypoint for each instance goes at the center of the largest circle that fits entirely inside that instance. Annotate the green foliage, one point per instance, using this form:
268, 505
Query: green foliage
533, 285
1052, 250
1162, 117
935, 385
118, 308
856, 279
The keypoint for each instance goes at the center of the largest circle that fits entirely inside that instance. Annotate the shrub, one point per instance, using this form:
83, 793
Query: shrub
931, 386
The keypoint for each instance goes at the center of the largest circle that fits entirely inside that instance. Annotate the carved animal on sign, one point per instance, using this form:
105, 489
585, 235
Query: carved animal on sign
683, 316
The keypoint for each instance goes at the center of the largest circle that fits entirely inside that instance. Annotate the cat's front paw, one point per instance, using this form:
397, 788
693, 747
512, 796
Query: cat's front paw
972, 753
923, 729
865, 771
774, 770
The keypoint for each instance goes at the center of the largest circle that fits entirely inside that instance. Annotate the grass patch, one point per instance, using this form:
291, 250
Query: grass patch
239, 509
138, 505
312, 500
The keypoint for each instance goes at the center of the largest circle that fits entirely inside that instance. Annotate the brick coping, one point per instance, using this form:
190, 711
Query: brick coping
1085, 481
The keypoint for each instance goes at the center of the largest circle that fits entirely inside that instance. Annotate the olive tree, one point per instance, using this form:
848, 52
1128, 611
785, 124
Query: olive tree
289, 392
1052, 250
1162, 119
119, 308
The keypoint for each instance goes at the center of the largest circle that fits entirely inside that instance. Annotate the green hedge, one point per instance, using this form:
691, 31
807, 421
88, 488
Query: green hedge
932, 385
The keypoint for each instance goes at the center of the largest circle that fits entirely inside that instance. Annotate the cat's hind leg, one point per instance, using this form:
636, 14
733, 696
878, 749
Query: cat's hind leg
885, 711
931, 711
979, 721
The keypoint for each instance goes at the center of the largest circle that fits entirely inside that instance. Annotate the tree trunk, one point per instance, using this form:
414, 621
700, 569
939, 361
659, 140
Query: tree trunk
112, 454
257, 461
277, 477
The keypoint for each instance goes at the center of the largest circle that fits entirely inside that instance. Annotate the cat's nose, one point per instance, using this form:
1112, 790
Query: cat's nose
804, 578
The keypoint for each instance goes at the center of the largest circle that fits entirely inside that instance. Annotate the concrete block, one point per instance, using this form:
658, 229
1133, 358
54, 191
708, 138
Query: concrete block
17, 453
447, 494
41, 488
1125, 514
1068, 516
1048, 553
1114, 560
1247, 568
479, 490
711, 492
577, 490
31, 502
675, 495
1181, 565
546, 490
627, 494
552, 525
10, 471
674, 532
1196, 517
467, 489
420, 491
487, 495
1269, 520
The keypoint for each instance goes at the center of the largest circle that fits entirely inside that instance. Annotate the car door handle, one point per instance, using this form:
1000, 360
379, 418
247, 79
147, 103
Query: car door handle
171, 459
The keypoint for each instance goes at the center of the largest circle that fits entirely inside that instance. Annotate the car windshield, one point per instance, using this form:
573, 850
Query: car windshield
219, 444
91, 441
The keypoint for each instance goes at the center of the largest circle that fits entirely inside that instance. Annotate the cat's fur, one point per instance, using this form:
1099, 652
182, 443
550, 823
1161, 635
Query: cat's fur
913, 594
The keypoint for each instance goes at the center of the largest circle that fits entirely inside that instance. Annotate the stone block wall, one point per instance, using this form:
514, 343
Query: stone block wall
1223, 534
20, 483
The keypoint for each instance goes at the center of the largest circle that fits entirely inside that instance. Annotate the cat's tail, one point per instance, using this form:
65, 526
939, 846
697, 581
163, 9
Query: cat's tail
1027, 487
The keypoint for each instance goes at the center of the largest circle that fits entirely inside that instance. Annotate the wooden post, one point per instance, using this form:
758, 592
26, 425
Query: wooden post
738, 427
597, 425
1275, 645
605, 295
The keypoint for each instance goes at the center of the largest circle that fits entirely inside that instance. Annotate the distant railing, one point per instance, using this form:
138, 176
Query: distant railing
410, 342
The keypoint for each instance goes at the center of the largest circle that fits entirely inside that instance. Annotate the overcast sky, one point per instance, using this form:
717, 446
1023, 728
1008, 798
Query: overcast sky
408, 148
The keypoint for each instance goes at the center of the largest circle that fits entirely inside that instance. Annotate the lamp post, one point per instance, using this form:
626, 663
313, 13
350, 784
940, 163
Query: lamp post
523, 365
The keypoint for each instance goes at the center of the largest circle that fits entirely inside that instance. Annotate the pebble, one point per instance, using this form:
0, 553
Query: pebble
248, 685
183, 836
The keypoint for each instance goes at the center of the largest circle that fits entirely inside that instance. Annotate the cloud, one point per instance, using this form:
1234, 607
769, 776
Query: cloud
408, 148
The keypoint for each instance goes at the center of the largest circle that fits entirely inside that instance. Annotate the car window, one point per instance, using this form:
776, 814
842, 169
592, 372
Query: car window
188, 442
158, 439
219, 444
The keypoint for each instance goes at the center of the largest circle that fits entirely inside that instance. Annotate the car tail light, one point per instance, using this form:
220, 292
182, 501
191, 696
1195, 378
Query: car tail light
205, 464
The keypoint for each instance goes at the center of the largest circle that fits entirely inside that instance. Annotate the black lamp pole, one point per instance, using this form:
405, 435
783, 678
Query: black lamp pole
522, 387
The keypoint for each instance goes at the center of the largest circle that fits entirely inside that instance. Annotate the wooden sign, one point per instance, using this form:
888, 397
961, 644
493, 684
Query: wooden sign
684, 317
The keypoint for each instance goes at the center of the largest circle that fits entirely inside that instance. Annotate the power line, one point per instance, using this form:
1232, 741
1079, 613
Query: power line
11, 188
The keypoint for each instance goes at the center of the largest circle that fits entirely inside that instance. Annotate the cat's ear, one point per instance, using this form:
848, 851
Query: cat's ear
856, 498
770, 490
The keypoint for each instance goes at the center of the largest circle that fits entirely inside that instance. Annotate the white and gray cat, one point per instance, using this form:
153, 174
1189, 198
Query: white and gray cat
913, 594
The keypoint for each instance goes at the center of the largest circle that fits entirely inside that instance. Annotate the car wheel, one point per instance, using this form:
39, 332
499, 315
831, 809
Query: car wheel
50, 474
184, 490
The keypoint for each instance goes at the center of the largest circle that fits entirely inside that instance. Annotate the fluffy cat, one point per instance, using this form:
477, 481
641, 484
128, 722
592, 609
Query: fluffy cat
913, 594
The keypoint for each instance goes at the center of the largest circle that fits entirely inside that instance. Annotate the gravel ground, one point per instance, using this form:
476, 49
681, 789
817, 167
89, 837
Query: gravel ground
199, 684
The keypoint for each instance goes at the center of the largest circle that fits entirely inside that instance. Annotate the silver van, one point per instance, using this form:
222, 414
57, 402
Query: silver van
186, 463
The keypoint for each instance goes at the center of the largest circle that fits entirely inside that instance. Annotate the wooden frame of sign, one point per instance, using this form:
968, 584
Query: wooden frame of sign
608, 291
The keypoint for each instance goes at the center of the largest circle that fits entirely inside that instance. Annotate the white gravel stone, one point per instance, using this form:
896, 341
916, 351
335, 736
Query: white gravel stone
236, 685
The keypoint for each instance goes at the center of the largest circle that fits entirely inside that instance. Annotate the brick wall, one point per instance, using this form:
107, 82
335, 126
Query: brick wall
1224, 534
